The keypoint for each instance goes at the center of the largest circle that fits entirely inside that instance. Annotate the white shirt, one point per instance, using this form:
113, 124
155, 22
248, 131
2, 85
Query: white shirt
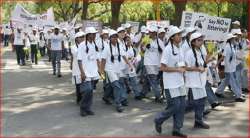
195, 79
227, 53
7, 31
185, 47
66, 41
110, 66
172, 80
42, 42
89, 60
18, 38
34, 39
152, 56
75, 67
123, 49
56, 41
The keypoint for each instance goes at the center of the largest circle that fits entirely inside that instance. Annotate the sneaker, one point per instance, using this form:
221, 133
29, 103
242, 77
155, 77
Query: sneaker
107, 101
178, 134
240, 100
213, 105
124, 103
119, 109
59, 76
90, 113
220, 95
158, 128
201, 125
83, 113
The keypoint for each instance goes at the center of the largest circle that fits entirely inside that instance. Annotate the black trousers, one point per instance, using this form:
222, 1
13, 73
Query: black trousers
33, 53
20, 55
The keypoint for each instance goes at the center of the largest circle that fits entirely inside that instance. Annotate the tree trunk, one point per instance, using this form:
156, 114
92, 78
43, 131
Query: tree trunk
180, 6
115, 10
85, 5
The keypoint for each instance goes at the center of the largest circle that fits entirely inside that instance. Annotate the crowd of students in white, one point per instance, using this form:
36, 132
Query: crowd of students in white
173, 63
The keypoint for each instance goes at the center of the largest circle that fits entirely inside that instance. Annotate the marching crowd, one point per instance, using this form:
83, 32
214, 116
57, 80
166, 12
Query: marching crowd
176, 64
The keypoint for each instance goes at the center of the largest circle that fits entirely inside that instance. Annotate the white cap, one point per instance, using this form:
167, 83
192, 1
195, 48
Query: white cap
65, 29
236, 32
174, 30
143, 29
195, 36
161, 30
229, 36
79, 34
57, 27
105, 31
153, 28
236, 22
112, 32
90, 30
78, 26
127, 25
119, 29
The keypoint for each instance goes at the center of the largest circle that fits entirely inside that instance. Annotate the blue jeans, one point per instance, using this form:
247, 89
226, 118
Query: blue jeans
107, 87
135, 86
239, 73
198, 106
211, 97
86, 89
6, 40
176, 108
155, 84
229, 79
117, 92
124, 94
56, 56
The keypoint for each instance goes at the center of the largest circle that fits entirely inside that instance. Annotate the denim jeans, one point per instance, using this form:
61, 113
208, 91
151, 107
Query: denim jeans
133, 82
176, 108
34, 53
56, 60
155, 84
239, 77
211, 97
86, 89
117, 92
198, 106
229, 79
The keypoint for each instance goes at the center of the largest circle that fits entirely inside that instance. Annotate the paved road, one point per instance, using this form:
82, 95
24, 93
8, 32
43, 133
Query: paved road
35, 103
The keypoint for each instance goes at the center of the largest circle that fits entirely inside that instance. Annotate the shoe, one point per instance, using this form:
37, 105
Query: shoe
158, 128
220, 95
119, 109
178, 134
158, 100
213, 105
124, 103
83, 113
107, 101
240, 100
138, 98
201, 125
90, 113
59, 76
206, 112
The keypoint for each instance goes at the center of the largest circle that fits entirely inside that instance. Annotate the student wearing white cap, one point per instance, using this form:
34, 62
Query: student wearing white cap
152, 58
103, 40
173, 67
111, 62
89, 65
128, 29
42, 43
19, 43
47, 38
66, 40
229, 57
196, 78
56, 45
132, 57
123, 75
76, 74
34, 41
186, 43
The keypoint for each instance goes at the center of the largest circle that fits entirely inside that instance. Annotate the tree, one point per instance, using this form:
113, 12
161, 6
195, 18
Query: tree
180, 6
115, 10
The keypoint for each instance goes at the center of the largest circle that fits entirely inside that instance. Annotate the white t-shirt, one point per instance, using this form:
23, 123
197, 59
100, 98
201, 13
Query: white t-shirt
89, 60
75, 67
195, 79
34, 39
172, 80
185, 47
56, 41
123, 49
66, 41
18, 38
229, 52
7, 31
110, 66
152, 56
